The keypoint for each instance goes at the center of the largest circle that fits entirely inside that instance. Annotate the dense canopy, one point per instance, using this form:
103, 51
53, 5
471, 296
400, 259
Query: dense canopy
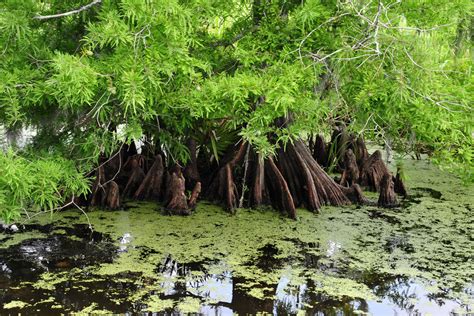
88, 76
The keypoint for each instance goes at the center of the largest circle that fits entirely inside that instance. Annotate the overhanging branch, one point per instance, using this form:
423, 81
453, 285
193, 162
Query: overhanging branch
60, 15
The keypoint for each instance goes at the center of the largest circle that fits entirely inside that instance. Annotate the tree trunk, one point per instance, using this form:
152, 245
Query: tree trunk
360, 151
222, 186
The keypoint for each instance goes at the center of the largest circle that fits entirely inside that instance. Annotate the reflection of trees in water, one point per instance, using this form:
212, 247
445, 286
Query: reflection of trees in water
402, 292
190, 279
398, 291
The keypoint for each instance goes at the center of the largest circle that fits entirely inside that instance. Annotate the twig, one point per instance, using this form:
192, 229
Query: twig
314, 30
377, 26
60, 15
241, 202
83, 212
426, 97
119, 168
58, 209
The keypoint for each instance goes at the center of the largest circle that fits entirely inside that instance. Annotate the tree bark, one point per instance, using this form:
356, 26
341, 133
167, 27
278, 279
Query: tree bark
387, 197
152, 184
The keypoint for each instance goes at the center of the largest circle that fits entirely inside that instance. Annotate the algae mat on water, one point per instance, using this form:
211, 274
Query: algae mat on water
352, 260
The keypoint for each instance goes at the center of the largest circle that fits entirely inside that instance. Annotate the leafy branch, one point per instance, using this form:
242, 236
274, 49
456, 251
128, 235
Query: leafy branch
76, 11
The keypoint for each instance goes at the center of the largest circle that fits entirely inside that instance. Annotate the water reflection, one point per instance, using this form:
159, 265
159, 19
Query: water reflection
324, 272
211, 283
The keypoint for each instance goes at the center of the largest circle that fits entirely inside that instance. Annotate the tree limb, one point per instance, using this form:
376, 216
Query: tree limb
60, 15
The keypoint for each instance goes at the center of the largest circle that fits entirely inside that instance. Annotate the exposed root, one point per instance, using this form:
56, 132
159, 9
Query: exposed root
387, 197
282, 198
151, 186
355, 195
399, 186
113, 196
328, 191
191, 173
98, 191
258, 190
136, 175
360, 151
373, 171
194, 195
320, 152
177, 203
350, 174
223, 187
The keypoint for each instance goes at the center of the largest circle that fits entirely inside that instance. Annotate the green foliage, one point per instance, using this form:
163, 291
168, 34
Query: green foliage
401, 70
72, 74
42, 184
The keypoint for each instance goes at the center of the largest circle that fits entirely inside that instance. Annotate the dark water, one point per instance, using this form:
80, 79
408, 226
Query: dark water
414, 260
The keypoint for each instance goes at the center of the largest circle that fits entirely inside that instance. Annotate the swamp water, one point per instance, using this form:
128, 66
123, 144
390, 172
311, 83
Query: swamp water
412, 260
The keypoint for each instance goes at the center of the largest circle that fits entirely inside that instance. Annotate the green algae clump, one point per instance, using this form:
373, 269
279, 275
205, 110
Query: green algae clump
15, 304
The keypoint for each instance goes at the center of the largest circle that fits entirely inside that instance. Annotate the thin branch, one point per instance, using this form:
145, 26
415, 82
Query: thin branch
60, 15
377, 26
59, 208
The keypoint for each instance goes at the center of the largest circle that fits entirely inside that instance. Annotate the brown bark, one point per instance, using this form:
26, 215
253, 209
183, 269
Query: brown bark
350, 174
360, 151
177, 203
152, 184
231, 192
136, 175
222, 185
320, 152
98, 190
281, 197
312, 200
399, 186
191, 173
373, 171
329, 192
355, 195
194, 195
113, 196
259, 181
387, 197
289, 169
